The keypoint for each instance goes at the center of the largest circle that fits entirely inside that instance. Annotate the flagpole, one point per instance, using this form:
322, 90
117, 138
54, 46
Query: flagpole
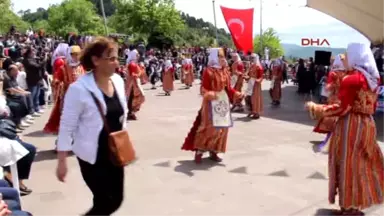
214, 18
261, 26
105, 19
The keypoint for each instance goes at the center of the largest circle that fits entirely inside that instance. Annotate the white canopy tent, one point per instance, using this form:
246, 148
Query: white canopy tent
365, 16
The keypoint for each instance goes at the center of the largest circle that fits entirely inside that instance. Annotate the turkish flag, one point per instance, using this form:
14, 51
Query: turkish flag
240, 24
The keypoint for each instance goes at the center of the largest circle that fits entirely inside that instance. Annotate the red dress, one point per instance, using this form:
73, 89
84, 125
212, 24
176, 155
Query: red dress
327, 124
355, 161
277, 78
188, 74
133, 88
203, 136
238, 69
64, 76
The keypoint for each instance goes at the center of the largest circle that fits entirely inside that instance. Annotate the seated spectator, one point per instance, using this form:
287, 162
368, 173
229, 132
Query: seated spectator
10, 203
25, 163
21, 77
17, 99
23, 167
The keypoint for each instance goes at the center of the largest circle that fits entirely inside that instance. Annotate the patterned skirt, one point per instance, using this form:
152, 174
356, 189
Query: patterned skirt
356, 166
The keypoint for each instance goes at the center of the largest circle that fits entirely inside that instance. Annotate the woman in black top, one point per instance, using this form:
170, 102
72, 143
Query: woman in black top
102, 86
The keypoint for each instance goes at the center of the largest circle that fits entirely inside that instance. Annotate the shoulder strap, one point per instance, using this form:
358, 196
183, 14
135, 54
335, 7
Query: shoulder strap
98, 105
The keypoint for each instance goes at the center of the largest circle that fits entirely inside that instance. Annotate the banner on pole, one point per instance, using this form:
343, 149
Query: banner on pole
240, 25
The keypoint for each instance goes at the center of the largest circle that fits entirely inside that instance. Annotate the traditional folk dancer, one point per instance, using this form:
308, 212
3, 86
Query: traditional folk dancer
355, 162
183, 62
277, 67
63, 77
237, 79
58, 60
133, 88
188, 75
254, 95
327, 124
144, 79
210, 129
168, 77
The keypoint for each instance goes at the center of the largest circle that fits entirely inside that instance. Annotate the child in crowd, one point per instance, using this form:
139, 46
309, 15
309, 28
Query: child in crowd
21, 77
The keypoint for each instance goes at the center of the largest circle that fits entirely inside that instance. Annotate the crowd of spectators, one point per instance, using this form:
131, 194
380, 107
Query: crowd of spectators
24, 94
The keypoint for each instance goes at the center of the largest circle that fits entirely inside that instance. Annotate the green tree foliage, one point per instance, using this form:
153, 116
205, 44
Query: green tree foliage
271, 40
40, 14
8, 18
109, 7
147, 17
159, 40
201, 33
77, 16
41, 24
154, 21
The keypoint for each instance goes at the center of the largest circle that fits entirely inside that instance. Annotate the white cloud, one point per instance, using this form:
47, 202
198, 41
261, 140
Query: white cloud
32, 4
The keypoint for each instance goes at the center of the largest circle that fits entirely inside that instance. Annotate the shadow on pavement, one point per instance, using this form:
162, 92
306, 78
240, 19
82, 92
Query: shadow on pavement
48, 155
38, 133
188, 166
324, 212
292, 110
183, 88
244, 119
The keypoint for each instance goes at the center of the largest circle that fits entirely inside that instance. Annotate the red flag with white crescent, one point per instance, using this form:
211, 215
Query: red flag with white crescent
240, 24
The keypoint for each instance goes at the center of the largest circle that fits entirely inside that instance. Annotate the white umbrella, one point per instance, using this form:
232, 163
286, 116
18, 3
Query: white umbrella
365, 16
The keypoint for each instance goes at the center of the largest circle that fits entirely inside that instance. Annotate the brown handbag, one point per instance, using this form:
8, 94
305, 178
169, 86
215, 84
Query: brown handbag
119, 143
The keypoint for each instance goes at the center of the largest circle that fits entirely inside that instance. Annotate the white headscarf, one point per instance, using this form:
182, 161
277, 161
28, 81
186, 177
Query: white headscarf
168, 64
69, 58
360, 57
213, 58
256, 58
338, 64
238, 56
132, 56
60, 52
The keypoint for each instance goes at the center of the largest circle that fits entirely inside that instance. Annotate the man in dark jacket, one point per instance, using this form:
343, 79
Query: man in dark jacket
35, 73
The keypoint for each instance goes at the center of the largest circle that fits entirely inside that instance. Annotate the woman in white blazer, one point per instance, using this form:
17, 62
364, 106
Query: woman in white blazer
82, 130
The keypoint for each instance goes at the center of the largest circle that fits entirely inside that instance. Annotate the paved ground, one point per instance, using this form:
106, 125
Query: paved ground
270, 167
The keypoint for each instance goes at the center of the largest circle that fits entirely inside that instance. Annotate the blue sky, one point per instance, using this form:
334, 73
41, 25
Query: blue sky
290, 18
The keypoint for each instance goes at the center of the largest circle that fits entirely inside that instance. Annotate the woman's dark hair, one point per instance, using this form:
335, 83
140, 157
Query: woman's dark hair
12, 66
7, 62
28, 51
96, 48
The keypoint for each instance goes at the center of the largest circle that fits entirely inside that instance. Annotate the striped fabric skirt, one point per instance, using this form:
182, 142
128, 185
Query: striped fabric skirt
356, 166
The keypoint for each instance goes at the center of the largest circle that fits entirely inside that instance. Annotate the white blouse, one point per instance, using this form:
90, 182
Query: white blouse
81, 123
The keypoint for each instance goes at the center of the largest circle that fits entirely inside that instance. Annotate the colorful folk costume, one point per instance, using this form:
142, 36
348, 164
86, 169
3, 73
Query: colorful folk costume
144, 79
168, 77
183, 62
355, 162
277, 67
64, 75
254, 94
188, 75
210, 129
58, 60
133, 88
327, 124
237, 79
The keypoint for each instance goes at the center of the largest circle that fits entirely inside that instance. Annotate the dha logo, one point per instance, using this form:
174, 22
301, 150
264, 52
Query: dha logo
314, 42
